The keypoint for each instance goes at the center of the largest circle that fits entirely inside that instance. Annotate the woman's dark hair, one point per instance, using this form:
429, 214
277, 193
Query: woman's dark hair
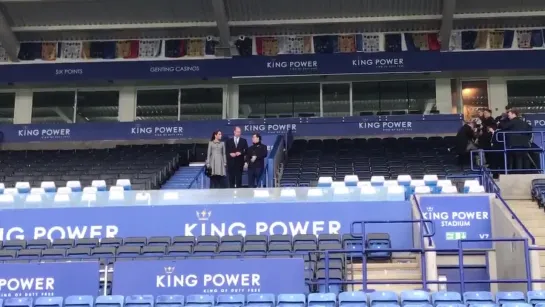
214, 135
258, 136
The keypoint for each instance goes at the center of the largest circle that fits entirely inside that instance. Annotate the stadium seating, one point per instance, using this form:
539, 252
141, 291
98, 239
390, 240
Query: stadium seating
147, 167
409, 298
388, 157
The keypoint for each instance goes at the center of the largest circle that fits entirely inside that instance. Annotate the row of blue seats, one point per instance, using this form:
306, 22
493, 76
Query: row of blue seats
410, 298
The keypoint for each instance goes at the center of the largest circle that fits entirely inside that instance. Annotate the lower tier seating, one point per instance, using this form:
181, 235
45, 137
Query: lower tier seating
345, 299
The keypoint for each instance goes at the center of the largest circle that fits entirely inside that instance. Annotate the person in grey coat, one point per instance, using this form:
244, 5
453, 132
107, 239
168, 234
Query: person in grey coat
216, 161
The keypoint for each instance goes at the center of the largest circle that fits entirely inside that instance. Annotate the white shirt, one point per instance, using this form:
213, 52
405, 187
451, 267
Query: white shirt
236, 141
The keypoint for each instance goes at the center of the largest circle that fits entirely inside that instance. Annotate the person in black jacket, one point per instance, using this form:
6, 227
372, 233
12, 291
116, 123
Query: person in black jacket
465, 142
518, 159
236, 150
255, 158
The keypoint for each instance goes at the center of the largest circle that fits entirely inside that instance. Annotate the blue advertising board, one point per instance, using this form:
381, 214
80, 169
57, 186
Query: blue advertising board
283, 65
308, 127
210, 276
458, 218
49, 279
216, 219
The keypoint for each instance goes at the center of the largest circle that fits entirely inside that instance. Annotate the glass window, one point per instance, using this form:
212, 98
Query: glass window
336, 99
7, 107
279, 100
157, 105
393, 97
474, 97
421, 96
365, 98
53, 107
527, 95
97, 106
201, 104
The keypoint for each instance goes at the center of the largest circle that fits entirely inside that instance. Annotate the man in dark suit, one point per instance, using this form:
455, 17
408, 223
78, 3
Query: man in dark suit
518, 159
236, 149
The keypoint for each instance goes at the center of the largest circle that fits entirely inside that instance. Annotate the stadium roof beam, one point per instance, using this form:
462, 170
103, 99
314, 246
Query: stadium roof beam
447, 21
222, 21
9, 41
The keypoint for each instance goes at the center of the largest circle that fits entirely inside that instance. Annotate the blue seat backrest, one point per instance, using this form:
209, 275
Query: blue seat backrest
79, 301
380, 297
291, 300
516, 305
478, 297
202, 300
260, 300
230, 300
414, 296
169, 301
322, 299
446, 297
18, 302
352, 299
54, 301
535, 297
510, 297
109, 301
139, 301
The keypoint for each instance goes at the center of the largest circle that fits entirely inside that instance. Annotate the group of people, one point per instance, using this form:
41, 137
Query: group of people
231, 157
480, 133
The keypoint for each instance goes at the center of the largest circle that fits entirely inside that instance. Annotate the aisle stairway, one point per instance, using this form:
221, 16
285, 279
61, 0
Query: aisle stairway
182, 178
404, 266
534, 219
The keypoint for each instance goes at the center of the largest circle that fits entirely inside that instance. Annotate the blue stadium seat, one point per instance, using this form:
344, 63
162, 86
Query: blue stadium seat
446, 297
199, 300
18, 302
415, 297
55, 301
352, 299
536, 297
79, 301
291, 300
322, 300
376, 242
169, 301
139, 301
516, 305
479, 297
233, 300
260, 300
383, 298
510, 297
109, 301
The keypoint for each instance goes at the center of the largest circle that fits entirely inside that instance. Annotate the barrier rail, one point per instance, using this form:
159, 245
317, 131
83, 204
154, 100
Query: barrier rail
528, 279
198, 181
491, 187
421, 216
505, 151
420, 250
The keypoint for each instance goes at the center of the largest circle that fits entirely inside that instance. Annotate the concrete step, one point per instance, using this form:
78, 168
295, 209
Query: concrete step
534, 219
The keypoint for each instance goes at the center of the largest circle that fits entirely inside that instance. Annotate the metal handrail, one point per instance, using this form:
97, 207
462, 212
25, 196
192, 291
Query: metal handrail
421, 215
199, 174
492, 187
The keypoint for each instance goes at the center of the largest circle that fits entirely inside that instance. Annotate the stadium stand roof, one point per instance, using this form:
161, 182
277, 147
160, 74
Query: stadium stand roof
30, 20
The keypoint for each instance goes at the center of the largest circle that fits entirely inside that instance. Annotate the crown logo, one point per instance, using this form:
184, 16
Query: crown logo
430, 209
204, 215
169, 270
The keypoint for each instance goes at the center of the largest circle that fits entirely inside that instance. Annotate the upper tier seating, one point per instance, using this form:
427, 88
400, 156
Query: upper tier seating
345, 299
389, 157
147, 167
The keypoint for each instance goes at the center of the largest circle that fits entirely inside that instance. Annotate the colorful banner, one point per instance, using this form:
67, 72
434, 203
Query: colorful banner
307, 127
456, 219
215, 219
49, 279
303, 64
210, 276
